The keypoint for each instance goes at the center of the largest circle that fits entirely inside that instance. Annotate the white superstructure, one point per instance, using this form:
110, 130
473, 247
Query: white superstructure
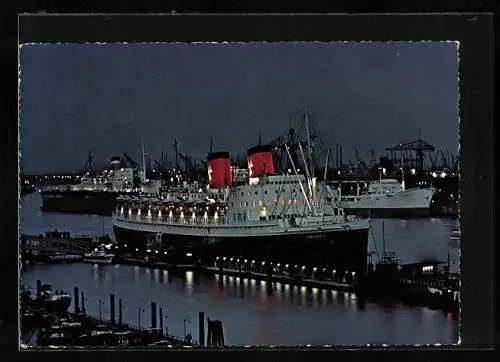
265, 206
389, 194
98, 257
112, 180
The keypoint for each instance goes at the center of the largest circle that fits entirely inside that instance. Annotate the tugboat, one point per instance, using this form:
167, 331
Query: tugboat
50, 300
270, 218
99, 256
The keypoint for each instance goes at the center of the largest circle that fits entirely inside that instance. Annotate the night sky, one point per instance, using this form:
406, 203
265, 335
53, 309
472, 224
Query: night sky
103, 98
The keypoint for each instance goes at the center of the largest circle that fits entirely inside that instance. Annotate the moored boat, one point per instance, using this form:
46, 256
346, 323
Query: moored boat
50, 300
99, 256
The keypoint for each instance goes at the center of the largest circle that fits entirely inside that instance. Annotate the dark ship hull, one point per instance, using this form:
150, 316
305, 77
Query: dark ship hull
344, 251
80, 202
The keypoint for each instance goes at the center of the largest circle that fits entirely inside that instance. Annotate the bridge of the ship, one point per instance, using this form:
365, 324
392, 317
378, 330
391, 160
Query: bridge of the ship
42, 244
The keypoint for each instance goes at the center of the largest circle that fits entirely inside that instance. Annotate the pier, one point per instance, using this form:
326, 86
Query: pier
48, 249
77, 328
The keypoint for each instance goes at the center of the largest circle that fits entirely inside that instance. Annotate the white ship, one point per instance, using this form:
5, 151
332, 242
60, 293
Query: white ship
99, 256
280, 219
389, 198
455, 233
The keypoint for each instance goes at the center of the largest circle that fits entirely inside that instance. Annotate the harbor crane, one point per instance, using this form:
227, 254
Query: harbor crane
419, 147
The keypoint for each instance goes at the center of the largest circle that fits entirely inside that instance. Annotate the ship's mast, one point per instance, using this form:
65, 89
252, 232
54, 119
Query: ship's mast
308, 176
326, 164
309, 144
176, 154
402, 171
143, 178
383, 238
296, 173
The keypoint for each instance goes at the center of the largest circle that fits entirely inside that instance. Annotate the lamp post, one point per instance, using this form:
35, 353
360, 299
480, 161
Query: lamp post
139, 311
166, 325
188, 321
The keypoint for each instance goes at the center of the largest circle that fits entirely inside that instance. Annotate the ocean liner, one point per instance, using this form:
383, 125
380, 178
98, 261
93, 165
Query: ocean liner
95, 195
268, 218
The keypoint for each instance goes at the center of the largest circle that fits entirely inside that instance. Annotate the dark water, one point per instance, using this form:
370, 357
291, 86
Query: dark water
250, 316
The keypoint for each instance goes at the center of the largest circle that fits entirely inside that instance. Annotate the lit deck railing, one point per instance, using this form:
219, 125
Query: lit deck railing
171, 219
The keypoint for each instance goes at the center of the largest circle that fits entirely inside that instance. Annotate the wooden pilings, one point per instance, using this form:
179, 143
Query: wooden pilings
120, 311
153, 315
215, 335
201, 328
77, 304
112, 308
83, 303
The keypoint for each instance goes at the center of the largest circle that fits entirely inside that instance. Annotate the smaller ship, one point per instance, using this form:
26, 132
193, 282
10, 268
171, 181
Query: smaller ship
99, 256
455, 233
389, 198
49, 300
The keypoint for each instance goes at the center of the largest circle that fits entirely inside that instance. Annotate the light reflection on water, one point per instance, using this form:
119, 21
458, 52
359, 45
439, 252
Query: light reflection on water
328, 315
250, 314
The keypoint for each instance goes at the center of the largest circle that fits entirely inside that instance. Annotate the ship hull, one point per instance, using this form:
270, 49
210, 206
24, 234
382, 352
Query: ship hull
395, 213
79, 202
340, 250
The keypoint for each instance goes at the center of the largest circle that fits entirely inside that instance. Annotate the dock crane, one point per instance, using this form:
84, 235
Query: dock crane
419, 146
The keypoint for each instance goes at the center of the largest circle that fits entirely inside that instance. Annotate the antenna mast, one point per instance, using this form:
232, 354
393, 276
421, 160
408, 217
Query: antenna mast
402, 170
176, 154
383, 238
143, 162
309, 144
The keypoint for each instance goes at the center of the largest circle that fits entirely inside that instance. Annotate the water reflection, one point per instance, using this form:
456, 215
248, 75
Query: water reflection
189, 282
187, 296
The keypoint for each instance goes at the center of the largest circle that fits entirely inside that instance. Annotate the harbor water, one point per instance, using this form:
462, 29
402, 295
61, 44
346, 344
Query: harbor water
250, 315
